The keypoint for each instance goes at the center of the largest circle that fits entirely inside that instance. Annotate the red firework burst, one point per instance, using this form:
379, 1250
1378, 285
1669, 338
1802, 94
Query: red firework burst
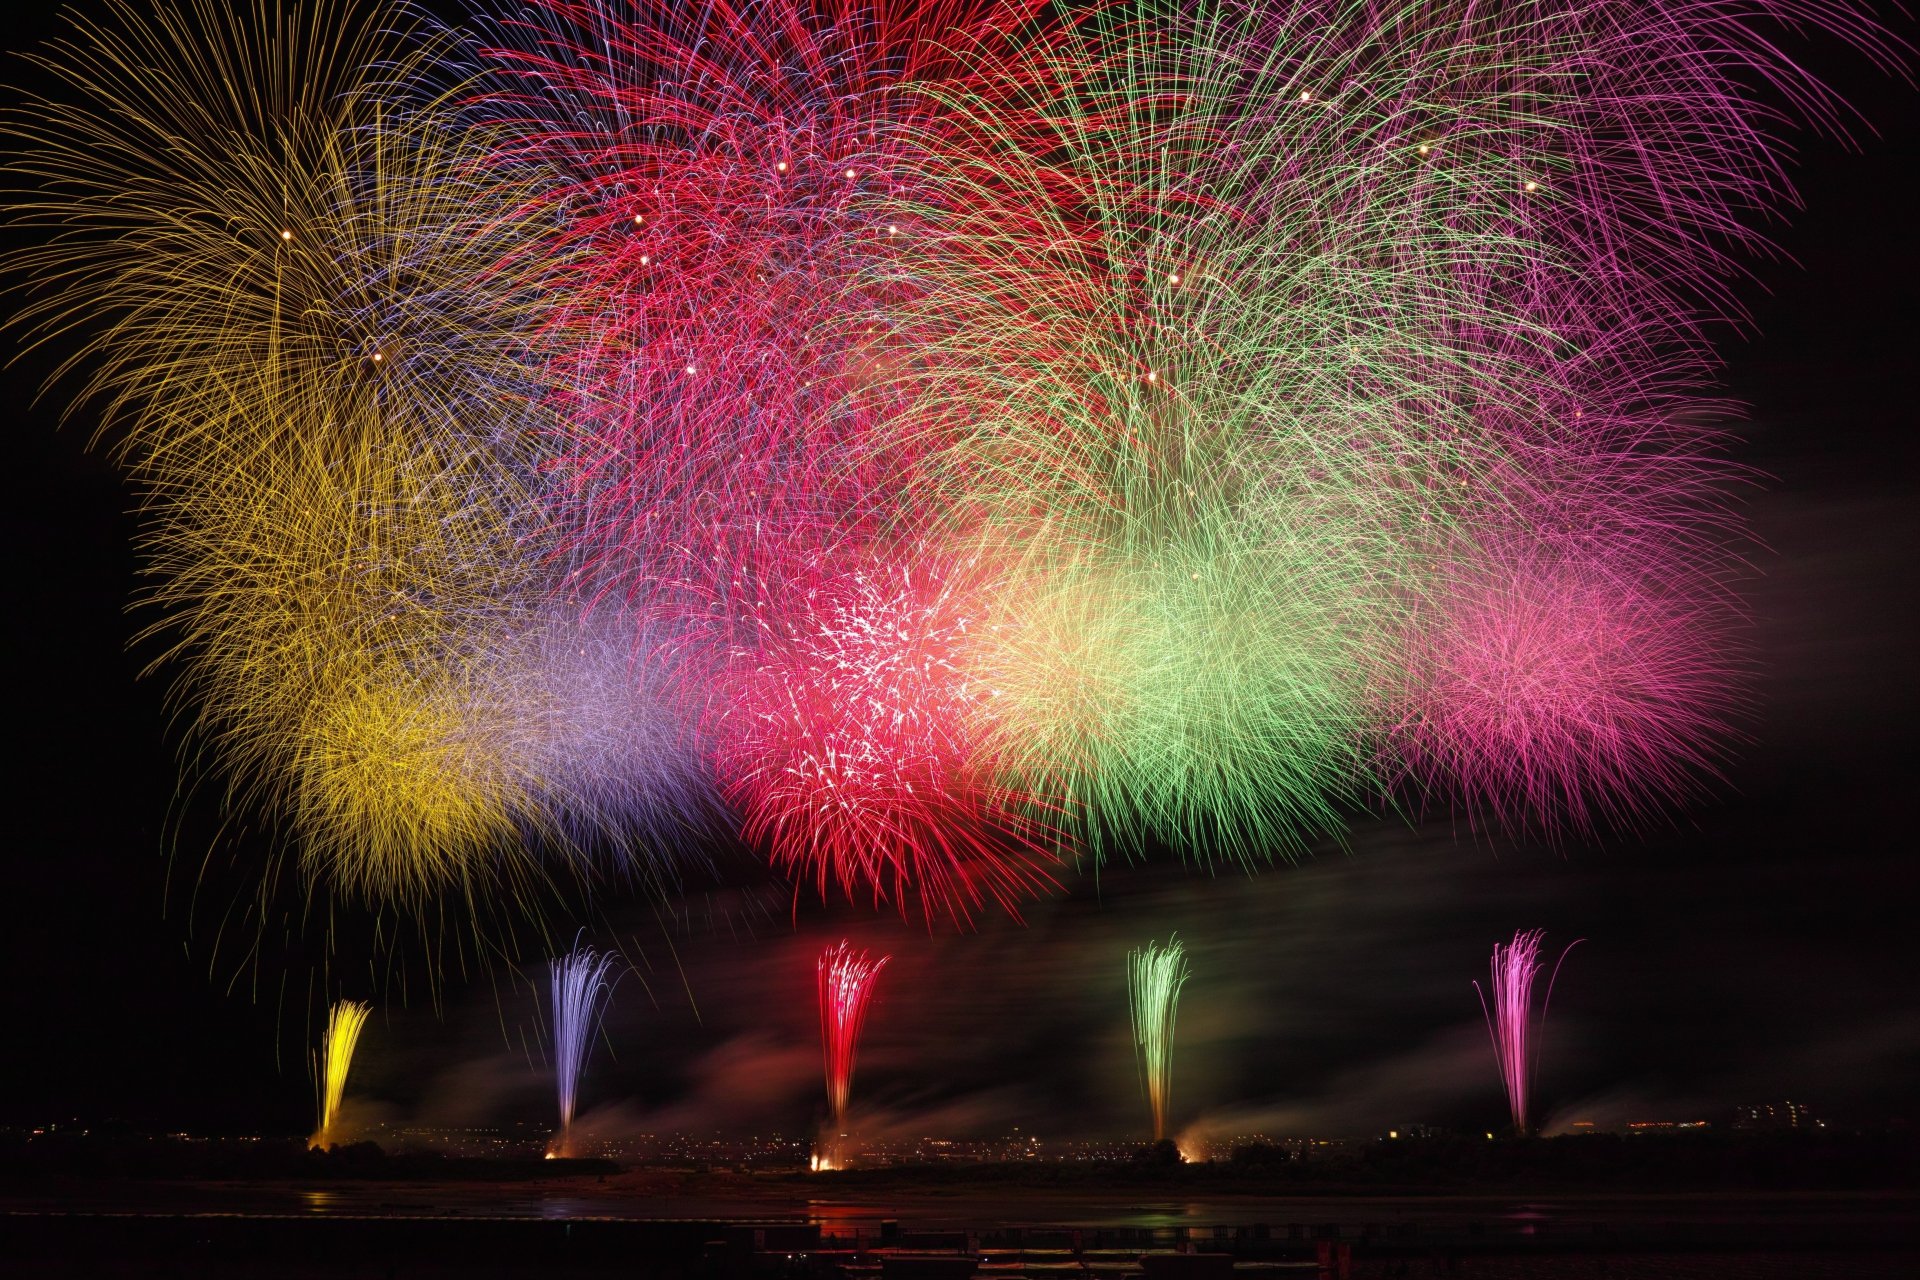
852, 747
731, 203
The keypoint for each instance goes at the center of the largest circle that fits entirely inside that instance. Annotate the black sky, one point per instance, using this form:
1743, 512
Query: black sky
1764, 945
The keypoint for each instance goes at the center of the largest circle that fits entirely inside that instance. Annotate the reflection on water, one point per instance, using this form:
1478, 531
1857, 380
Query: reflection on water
643, 1196
1528, 1219
1167, 1214
829, 1212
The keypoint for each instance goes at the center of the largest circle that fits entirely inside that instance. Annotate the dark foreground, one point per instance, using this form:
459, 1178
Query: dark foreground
77, 1245
1693, 1209
663, 1225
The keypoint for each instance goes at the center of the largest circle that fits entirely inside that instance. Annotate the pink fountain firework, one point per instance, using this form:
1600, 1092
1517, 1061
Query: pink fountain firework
1508, 1004
846, 986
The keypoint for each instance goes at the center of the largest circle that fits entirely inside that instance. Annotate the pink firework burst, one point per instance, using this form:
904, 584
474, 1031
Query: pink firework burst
1558, 692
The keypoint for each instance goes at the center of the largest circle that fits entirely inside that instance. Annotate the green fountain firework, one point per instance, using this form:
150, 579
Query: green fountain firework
1155, 975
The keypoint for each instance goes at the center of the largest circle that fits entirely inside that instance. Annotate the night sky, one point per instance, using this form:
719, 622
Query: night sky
1762, 945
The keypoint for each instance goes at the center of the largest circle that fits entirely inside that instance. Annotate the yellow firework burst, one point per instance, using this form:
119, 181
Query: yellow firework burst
293, 331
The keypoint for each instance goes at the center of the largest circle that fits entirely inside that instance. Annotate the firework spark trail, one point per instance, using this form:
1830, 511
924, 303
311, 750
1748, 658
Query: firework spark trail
249, 269
287, 321
1419, 333
1512, 1023
1218, 527
726, 368
580, 994
846, 987
1155, 975
330, 1065
316, 612
1567, 693
604, 722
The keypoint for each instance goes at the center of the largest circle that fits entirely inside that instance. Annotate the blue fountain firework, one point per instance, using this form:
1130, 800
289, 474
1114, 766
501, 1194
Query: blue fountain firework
580, 994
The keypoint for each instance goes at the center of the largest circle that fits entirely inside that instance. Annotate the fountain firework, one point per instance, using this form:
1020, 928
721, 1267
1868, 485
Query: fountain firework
580, 991
331, 1063
1510, 1017
1155, 975
846, 986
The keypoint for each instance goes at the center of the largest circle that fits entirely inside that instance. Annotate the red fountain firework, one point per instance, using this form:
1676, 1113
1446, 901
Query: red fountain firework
1510, 1017
846, 986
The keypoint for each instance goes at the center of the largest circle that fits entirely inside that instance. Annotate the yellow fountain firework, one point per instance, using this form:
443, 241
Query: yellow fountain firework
330, 1065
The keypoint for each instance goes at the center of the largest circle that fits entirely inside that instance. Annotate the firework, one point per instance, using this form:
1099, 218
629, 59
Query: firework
1507, 1002
726, 351
265, 264
603, 718
338, 444
292, 327
580, 993
956, 436
1202, 406
1204, 691
1342, 333
1565, 694
854, 746
1155, 975
344, 1022
846, 987
317, 613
